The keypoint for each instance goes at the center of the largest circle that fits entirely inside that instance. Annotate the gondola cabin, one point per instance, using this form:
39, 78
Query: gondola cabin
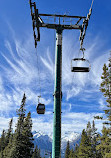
40, 108
83, 67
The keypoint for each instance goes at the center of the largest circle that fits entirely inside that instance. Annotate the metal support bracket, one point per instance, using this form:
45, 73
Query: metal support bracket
56, 94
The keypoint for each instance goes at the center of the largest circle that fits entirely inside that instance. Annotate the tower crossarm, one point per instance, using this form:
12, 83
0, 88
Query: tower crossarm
62, 16
55, 26
53, 21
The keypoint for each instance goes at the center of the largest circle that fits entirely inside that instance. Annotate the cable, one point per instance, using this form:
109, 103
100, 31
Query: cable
73, 75
85, 25
38, 73
92, 3
72, 79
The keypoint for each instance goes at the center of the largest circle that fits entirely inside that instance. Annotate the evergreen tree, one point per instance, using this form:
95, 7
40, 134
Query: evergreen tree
39, 153
21, 116
1, 154
8, 140
36, 153
94, 142
20, 143
89, 141
9, 133
8, 148
105, 143
89, 130
67, 152
89, 135
76, 151
2, 143
71, 155
105, 88
18, 148
27, 136
85, 146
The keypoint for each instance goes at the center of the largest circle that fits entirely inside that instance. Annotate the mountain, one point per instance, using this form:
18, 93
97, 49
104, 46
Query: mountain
73, 137
44, 141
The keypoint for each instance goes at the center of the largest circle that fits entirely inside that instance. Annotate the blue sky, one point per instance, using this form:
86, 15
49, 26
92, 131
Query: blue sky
19, 69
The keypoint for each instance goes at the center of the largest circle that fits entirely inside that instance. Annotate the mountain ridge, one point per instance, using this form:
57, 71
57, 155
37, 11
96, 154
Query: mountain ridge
44, 141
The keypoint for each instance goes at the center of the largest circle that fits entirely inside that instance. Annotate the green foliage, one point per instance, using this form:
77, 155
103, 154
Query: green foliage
105, 88
76, 151
18, 148
27, 136
85, 146
21, 116
94, 141
20, 144
36, 153
8, 148
71, 155
8, 140
1, 154
89, 141
105, 146
105, 140
9, 133
67, 152
2, 141
88, 129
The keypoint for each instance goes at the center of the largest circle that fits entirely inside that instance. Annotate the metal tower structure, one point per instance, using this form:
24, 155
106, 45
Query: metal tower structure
59, 23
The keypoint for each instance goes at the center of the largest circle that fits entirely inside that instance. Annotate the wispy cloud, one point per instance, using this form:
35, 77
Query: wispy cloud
48, 63
4, 123
74, 91
70, 122
20, 74
79, 121
23, 70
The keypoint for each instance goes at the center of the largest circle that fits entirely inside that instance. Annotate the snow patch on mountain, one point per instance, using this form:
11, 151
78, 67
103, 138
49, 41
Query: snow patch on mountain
44, 141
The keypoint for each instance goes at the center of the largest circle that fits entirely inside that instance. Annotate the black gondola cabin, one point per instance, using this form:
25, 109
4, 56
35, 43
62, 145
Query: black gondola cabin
40, 108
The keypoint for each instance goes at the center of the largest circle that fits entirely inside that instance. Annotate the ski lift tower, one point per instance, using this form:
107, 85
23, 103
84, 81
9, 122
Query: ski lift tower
59, 23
